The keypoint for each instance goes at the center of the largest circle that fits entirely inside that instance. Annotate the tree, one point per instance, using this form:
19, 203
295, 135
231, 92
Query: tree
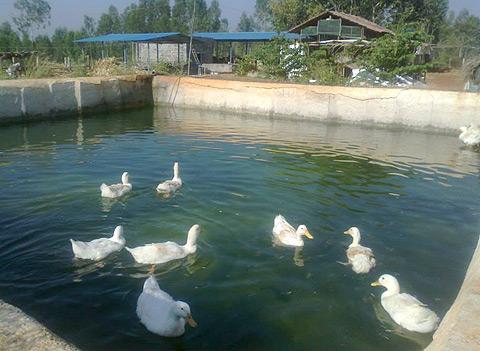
9, 40
110, 22
246, 24
89, 26
214, 13
43, 45
33, 14
223, 25
283, 14
263, 14
395, 54
180, 19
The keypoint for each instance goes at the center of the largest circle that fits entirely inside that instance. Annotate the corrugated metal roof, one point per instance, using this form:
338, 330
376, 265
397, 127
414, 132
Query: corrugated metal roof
217, 36
245, 36
132, 37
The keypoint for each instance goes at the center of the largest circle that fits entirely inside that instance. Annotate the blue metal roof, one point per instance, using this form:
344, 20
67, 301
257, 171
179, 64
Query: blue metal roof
245, 36
131, 37
217, 36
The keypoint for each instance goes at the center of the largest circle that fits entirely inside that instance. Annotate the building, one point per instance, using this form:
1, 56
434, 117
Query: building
211, 51
333, 26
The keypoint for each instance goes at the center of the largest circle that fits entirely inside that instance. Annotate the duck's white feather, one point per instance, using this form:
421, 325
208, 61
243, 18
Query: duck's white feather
155, 310
285, 233
167, 251
170, 186
158, 253
406, 310
98, 249
410, 313
116, 190
470, 135
361, 258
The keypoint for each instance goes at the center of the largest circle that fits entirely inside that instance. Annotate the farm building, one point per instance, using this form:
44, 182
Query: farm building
147, 49
337, 27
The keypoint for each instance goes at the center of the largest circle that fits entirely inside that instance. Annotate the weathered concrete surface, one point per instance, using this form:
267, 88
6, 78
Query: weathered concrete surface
460, 328
408, 107
21, 332
51, 97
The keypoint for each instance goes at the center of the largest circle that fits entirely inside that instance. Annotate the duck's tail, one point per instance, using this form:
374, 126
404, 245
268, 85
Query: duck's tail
106, 192
77, 248
362, 264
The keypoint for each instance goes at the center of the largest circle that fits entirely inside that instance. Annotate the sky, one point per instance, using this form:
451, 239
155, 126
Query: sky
69, 13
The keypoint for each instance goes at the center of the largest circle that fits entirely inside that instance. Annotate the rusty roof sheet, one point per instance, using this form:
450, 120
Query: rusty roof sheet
363, 22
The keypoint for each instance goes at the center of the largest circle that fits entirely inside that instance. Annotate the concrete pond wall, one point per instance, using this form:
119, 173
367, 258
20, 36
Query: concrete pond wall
30, 98
21, 332
408, 107
26, 99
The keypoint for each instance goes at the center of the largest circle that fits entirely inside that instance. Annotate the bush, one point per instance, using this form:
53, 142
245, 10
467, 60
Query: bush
245, 65
167, 68
395, 54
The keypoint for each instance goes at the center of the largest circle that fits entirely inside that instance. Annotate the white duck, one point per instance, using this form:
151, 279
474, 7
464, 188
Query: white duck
167, 251
170, 186
285, 234
116, 190
359, 257
160, 313
98, 249
470, 136
405, 309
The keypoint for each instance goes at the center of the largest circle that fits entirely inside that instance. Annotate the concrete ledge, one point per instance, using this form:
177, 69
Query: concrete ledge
21, 332
407, 107
51, 97
460, 328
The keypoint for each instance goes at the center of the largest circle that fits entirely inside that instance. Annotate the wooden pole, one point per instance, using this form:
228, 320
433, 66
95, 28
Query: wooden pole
191, 40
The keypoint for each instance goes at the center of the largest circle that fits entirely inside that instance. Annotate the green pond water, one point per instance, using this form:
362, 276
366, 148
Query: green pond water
414, 196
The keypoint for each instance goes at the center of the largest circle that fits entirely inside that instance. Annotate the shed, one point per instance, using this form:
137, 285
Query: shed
149, 48
334, 25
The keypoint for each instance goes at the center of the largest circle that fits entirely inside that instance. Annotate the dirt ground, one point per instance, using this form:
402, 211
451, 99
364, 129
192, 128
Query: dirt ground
452, 80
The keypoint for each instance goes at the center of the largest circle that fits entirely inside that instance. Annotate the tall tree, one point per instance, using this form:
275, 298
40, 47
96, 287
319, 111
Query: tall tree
33, 14
180, 18
89, 26
246, 23
9, 40
110, 22
263, 14
214, 13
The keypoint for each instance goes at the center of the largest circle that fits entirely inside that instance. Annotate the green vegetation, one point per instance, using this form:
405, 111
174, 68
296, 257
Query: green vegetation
141, 16
283, 59
391, 55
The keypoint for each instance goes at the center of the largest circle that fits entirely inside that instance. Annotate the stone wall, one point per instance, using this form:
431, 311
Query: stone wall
408, 107
21, 332
51, 97
460, 328
173, 53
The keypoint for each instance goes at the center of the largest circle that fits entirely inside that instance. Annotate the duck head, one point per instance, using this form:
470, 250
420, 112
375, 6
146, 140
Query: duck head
302, 230
193, 235
176, 171
354, 232
125, 179
390, 283
118, 234
182, 310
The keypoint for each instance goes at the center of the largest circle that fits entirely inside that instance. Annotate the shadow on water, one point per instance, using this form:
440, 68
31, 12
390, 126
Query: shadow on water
413, 195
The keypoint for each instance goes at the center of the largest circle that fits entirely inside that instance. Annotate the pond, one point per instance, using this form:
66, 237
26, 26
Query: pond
414, 196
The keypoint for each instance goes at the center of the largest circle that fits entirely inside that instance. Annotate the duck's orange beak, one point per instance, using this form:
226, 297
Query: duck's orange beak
191, 322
